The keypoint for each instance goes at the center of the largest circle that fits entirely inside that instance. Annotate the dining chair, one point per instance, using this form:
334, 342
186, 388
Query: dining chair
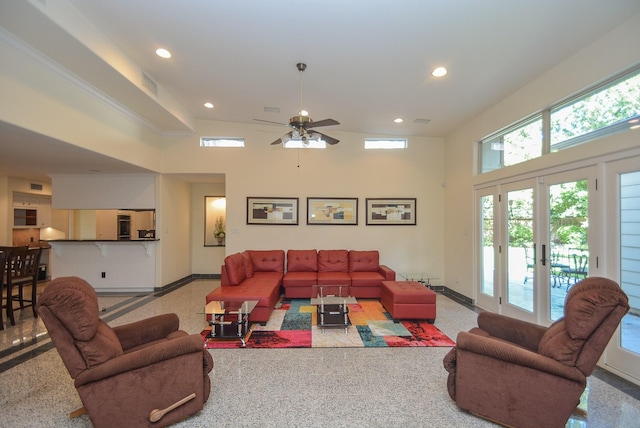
21, 269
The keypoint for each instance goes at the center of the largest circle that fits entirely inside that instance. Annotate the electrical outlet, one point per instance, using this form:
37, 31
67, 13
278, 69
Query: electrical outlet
104, 274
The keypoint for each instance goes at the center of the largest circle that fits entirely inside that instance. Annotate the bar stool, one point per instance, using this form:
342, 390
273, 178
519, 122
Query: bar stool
21, 268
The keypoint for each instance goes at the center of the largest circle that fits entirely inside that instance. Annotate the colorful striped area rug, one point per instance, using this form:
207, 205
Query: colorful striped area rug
293, 324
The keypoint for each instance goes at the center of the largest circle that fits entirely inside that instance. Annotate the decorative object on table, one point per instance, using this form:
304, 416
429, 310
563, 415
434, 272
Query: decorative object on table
218, 231
294, 324
268, 210
385, 212
332, 211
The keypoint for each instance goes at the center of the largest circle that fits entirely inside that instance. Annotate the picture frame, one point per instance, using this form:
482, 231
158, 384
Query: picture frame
332, 211
272, 210
391, 211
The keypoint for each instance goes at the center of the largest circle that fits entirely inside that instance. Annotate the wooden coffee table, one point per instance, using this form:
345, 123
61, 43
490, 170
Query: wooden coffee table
230, 320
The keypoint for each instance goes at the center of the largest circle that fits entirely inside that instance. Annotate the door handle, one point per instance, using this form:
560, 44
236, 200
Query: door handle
544, 257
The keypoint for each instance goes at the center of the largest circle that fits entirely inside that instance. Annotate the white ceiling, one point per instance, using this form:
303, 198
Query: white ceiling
368, 61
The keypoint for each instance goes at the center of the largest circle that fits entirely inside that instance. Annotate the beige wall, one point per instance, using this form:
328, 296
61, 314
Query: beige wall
204, 260
344, 170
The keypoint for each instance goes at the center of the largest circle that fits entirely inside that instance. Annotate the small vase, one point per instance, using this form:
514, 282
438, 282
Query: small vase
220, 241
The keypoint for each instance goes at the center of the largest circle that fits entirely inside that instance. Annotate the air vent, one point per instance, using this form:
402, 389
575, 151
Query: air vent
35, 186
422, 121
148, 83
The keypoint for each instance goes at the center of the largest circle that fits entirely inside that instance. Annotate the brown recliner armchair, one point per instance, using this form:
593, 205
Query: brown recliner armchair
147, 373
524, 375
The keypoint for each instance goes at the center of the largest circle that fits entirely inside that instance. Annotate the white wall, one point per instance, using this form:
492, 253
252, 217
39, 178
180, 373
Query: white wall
605, 57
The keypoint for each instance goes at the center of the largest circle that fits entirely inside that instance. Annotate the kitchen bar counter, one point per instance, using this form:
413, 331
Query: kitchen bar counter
108, 265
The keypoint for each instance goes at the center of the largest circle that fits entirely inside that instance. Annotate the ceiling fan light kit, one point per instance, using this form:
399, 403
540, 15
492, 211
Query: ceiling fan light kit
303, 126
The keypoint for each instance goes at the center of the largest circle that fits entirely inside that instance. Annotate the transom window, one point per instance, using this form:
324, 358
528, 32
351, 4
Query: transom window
221, 142
385, 143
603, 110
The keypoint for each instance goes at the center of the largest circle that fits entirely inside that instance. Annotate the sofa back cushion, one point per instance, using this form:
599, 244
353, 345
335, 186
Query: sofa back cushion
267, 260
236, 271
248, 264
364, 261
302, 261
333, 261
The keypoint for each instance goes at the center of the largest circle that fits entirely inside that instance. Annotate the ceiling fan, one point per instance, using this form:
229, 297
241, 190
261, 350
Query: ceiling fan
303, 126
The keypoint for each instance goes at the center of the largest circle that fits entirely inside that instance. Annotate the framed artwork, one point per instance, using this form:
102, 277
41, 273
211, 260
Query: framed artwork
282, 211
342, 211
400, 211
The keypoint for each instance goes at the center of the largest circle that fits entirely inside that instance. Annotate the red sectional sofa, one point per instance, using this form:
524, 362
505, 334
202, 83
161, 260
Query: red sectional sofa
259, 275
359, 269
252, 275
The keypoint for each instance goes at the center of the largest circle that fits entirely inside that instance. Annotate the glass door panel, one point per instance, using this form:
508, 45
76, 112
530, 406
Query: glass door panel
521, 250
487, 296
488, 252
568, 254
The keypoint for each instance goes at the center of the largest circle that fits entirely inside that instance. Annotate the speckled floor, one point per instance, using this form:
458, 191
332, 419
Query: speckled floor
378, 387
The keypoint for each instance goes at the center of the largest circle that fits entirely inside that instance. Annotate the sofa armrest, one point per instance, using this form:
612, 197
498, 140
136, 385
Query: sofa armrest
147, 330
388, 273
516, 355
144, 357
522, 333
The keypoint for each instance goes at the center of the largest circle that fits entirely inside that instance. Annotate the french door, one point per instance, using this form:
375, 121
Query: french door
623, 255
534, 243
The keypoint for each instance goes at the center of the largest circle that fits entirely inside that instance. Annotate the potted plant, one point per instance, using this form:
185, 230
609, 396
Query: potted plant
218, 231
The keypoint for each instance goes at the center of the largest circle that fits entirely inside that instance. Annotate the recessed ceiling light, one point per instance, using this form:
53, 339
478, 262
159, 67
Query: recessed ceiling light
439, 72
398, 120
163, 53
208, 105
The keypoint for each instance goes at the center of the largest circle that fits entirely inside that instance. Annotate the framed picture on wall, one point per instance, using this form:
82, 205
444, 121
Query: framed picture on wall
388, 212
332, 211
265, 210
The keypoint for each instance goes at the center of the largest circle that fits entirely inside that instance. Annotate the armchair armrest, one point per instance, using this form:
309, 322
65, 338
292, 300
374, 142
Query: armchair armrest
388, 273
522, 333
142, 358
516, 355
146, 330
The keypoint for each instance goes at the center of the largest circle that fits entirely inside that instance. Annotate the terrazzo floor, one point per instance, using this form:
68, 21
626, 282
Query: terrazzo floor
348, 387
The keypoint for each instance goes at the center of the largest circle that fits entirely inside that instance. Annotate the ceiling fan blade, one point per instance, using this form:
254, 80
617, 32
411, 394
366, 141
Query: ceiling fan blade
325, 122
330, 140
270, 121
279, 140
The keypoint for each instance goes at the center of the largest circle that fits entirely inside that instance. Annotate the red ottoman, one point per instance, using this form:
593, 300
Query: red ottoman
408, 300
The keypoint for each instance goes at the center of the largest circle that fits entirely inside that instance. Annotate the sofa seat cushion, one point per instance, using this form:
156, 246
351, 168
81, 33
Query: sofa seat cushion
299, 279
333, 261
302, 261
334, 278
366, 279
251, 289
